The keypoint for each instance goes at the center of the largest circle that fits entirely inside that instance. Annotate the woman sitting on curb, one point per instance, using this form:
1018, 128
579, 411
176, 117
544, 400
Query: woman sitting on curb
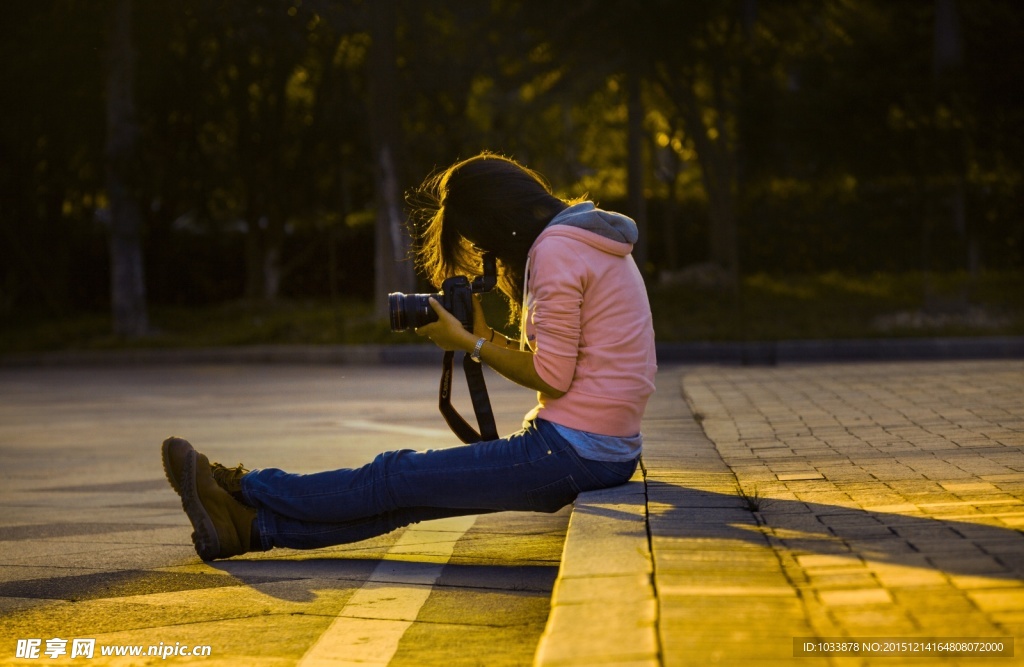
586, 347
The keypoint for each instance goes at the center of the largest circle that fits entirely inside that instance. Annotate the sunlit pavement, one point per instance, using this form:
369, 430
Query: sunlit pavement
785, 511
874, 510
94, 545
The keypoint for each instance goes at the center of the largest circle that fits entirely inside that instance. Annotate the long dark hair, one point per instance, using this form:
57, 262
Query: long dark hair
487, 203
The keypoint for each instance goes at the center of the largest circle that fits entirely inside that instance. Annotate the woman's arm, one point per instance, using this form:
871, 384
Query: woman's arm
513, 364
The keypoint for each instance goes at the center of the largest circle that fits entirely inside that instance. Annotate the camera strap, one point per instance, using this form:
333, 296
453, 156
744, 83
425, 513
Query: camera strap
477, 394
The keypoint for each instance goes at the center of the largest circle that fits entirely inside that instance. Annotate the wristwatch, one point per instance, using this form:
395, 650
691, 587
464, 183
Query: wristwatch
475, 354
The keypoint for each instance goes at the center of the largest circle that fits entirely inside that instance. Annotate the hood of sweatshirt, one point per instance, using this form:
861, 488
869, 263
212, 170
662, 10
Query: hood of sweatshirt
607, 231
611, 232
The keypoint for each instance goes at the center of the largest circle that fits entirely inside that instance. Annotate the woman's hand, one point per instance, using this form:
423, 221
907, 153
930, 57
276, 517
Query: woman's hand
480, 327
448, 333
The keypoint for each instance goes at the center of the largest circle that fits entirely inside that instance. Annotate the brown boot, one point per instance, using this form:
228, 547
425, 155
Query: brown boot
229, 479
223, 526
173, 452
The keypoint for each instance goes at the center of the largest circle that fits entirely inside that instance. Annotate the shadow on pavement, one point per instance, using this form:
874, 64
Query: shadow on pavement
312, 574
947, 545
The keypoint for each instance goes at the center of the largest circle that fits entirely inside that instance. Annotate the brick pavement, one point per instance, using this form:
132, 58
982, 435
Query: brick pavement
839, 500
891, 494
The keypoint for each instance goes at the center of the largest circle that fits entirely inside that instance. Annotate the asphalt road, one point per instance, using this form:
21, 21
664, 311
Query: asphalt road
94, 545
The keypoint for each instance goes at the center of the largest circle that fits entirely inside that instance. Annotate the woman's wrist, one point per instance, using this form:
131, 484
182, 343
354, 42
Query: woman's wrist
471, 340
499, 339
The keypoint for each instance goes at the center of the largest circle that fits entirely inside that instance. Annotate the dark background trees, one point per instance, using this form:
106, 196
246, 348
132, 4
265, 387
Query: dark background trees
204, 152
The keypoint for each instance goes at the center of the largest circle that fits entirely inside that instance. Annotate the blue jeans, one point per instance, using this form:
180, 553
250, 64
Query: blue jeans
535, 469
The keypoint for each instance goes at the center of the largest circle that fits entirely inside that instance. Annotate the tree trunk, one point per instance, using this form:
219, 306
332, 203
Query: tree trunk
947, 72
263, 273
635, 166
670, 166
393, 267
718, 174
127, 279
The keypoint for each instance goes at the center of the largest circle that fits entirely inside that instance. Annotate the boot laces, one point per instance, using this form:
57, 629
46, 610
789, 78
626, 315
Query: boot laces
229, 479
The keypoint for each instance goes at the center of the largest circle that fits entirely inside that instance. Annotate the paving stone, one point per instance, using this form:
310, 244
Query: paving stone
825, 580
814, 561
895, 576
855, 597
998, 600
799, 476
924, 456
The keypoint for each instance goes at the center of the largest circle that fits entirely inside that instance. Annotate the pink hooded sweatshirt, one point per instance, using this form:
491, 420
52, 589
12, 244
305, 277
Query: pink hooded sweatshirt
588, 319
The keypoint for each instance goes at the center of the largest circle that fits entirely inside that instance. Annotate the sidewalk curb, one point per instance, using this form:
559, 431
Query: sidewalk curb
603, 606
744, 353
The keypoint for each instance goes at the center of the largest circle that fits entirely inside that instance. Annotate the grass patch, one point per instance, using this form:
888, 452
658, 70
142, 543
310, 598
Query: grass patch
833, 306
753, 501
282, 322
765, 308
231, 324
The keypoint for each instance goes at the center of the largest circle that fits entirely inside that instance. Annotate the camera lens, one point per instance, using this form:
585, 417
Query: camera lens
408, 311
396, 311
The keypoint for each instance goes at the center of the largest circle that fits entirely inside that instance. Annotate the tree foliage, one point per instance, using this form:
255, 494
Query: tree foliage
857, 135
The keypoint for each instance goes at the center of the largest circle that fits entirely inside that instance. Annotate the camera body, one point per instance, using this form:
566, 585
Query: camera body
409, 311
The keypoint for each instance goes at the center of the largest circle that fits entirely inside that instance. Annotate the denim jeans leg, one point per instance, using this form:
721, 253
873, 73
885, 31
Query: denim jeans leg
535, 469
279, 531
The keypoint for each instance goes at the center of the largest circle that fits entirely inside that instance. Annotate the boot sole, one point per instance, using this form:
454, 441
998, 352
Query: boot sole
165, 455
204, 537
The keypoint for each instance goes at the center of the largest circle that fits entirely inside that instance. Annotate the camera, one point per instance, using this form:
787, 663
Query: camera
409, 311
